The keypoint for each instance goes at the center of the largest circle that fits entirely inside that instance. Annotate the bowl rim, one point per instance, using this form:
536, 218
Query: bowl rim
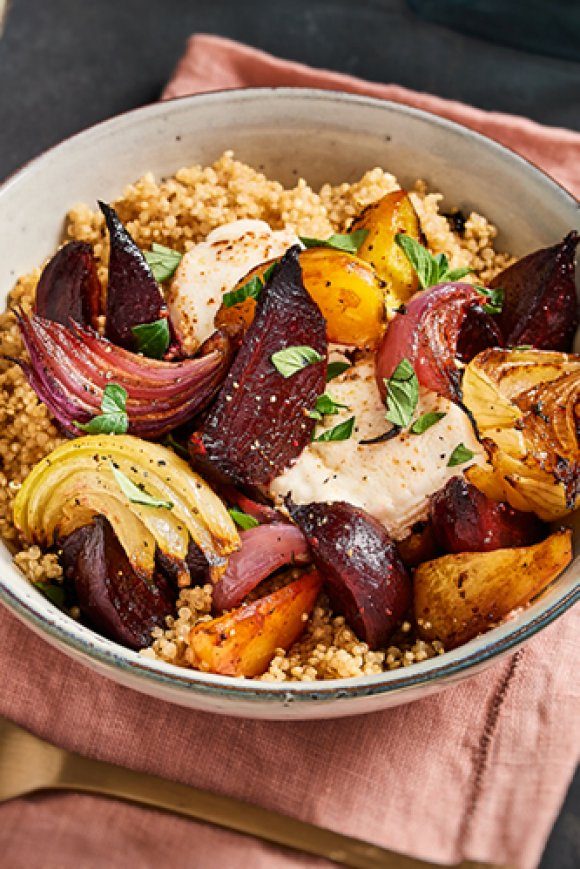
73, 638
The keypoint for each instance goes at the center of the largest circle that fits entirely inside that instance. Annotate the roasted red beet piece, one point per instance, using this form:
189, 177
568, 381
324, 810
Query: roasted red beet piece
110, 594
541, 306
259, 423
363, 572
133, 295
69, 287
466, 520
196, 561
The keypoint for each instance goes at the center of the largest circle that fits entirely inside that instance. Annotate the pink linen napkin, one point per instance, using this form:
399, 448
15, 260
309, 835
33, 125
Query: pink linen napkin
478, 772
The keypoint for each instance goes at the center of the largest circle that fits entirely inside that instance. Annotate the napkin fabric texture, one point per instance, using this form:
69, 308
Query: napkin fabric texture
477, 772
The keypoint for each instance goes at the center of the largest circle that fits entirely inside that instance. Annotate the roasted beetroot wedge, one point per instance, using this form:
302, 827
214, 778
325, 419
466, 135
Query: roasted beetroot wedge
540, 305
466, 520
259, 423
364, 575
69, 287
110, 594
133, 295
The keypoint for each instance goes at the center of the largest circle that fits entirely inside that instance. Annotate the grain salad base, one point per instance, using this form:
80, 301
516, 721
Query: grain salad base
180, 211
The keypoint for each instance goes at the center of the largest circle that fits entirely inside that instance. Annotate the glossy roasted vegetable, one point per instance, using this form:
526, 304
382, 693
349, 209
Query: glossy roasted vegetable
149, 495
346, 289
383, 220
363, 573
526, 405
259, 422
540, 303
459, 596
244, 641
69, 287
116, 600
420, 545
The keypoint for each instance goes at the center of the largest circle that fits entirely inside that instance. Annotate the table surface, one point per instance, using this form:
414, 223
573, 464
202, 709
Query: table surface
66, 64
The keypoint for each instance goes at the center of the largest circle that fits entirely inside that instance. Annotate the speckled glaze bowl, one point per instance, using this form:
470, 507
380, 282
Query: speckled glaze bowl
287, 133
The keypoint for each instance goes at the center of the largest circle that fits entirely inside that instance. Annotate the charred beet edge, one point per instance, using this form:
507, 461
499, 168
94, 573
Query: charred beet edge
197, 565
69, 287
111, 595
540, 305
133, 295
466, 520
259, 423
364, 575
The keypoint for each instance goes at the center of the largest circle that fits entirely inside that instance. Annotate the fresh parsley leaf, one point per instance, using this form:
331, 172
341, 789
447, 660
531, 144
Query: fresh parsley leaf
349, 242
162, 261
426, 421
402, 394
335, 369
54, 593
176, 446
152, 338
269, 271
250, 290
431, 270
459, 456
113, 418
341, 432
495, 298
326, 406
244, 520
293, 359
522, 347
135, 494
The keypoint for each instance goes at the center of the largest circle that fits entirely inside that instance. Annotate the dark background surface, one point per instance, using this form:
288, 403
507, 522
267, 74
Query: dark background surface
65, 64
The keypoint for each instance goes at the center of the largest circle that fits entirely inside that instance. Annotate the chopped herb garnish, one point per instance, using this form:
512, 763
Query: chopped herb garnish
495, 299
244, 520
162, 261
152, 338
326, 406
341, 432
431, 270
293, 359
113, 418
402, 394
348, 242
135, 494
426, 421
335, 369
250, 290
522, 347
459, 456
54, 593
176, 446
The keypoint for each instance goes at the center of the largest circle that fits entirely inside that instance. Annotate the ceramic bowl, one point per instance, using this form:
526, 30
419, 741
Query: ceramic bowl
287, 133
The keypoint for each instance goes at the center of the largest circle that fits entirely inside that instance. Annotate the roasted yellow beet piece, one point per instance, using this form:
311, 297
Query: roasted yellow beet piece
345, 288
459, 596
383, 220
244, 641
526, 405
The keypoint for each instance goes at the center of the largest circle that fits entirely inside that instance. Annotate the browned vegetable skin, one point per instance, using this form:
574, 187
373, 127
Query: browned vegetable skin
459, 596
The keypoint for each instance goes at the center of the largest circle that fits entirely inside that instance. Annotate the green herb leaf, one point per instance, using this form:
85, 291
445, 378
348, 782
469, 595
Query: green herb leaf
326, 406
244, 520
335, 369
348, 242
54, 593
459, 456
269, 271
113, 418
495, 298
162, 261
176, 446
152, 338
293, 359
250, 290
135, 494
426, 421
341, 432
402, 394
431, 270
522, 347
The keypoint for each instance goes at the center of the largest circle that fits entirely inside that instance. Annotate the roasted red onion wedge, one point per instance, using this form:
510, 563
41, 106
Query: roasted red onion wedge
466, 520
259, 423
364, 575
133, 295
69, 287
440, 324
540, 305
265, 548
111, 595
70, 368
